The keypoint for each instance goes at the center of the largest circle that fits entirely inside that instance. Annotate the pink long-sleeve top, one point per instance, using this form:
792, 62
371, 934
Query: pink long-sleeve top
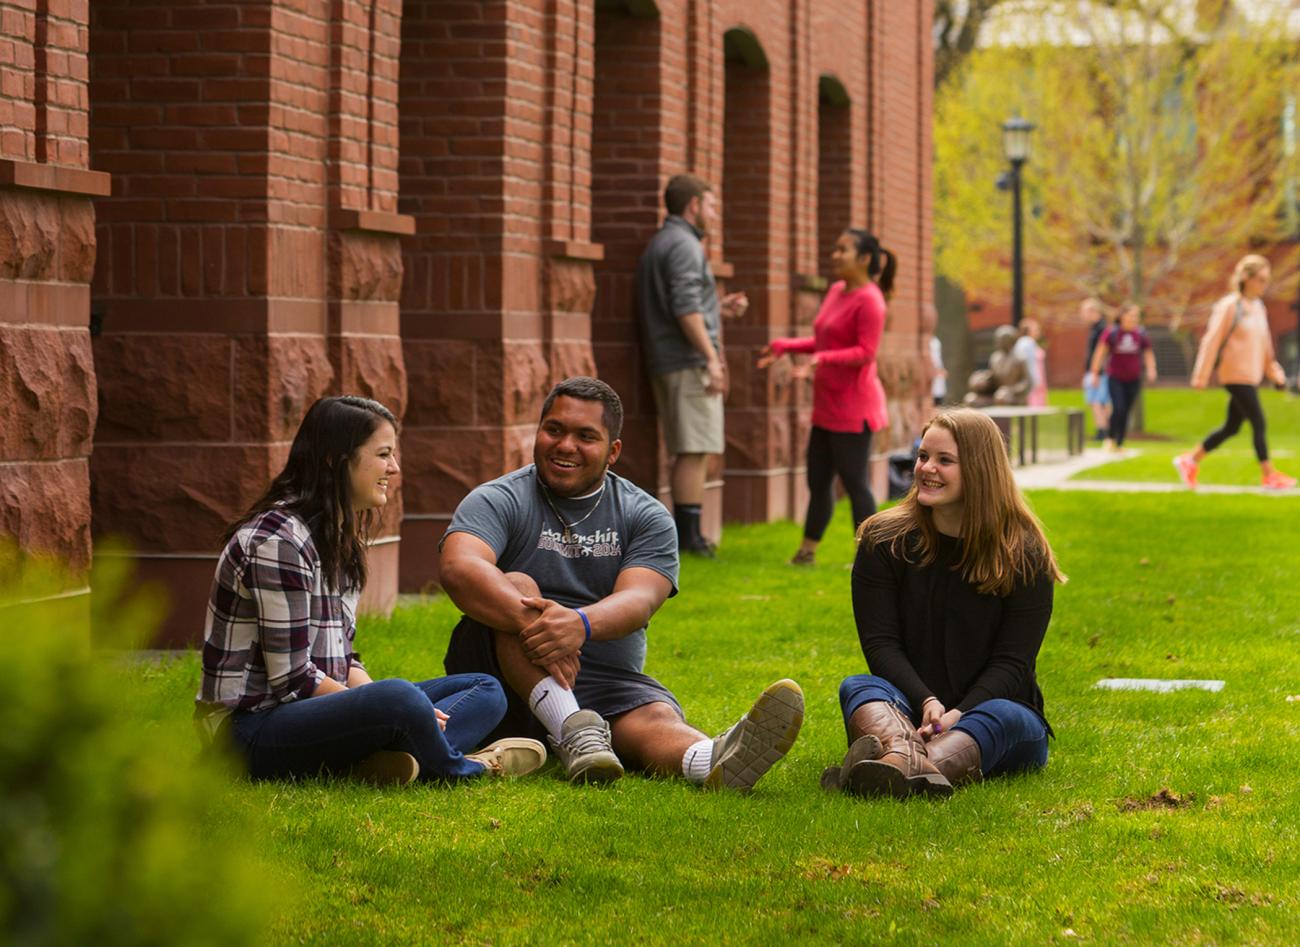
845, 339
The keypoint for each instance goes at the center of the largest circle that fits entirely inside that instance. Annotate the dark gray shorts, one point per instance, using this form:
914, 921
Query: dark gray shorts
609, 691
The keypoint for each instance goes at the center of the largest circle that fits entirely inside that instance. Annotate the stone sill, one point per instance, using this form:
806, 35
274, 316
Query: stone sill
54, 177
575, 250
374, 221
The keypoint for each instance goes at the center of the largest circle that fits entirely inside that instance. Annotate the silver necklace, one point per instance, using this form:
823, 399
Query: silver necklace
568, 527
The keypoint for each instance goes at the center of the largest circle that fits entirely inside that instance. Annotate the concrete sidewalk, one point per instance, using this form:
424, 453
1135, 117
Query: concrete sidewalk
1056, 476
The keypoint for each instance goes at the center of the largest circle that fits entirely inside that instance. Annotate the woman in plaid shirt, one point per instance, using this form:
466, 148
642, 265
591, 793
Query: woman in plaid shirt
281, 679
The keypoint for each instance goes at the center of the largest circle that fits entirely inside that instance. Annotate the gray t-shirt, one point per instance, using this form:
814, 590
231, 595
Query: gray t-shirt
628, 528
674, 279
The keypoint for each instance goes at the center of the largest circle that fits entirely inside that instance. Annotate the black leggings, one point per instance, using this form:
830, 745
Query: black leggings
831, 453
1123, 395
1243, 405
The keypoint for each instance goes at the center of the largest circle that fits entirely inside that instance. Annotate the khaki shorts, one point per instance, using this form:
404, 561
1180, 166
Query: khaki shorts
691, 417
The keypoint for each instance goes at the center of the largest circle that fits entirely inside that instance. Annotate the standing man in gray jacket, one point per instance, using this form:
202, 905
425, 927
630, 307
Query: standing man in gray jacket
680, 315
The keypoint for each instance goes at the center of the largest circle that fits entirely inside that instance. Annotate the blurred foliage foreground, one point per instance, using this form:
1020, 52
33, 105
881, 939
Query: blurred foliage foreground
111, 832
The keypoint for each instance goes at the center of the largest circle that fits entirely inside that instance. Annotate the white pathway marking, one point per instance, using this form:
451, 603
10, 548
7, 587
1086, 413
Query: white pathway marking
1155, 684
1056, 476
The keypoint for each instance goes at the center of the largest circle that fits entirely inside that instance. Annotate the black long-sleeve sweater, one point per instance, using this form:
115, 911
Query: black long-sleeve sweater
930, 633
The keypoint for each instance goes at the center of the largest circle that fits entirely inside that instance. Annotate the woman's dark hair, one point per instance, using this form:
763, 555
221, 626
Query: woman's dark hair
315, 485
880, 270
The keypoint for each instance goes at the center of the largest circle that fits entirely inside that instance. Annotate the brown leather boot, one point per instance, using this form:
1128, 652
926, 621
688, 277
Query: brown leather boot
863, 748
957, 756
902, 769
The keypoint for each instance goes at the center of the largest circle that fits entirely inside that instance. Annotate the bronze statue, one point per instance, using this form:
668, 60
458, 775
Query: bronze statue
1006, 380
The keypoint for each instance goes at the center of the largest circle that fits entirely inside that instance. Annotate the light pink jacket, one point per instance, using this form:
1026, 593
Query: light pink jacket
1247, 351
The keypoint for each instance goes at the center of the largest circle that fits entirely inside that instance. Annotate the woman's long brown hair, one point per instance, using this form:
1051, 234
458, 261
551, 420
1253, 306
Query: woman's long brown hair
315, 485
1003, 544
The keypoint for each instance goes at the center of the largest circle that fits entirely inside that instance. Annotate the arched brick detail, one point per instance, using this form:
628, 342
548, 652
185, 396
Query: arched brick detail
627, 208
758, 458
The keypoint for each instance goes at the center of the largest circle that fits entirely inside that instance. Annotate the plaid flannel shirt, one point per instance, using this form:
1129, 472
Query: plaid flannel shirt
274, 629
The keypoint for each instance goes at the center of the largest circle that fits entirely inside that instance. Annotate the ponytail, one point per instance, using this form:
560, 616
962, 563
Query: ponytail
867, 244
886, 278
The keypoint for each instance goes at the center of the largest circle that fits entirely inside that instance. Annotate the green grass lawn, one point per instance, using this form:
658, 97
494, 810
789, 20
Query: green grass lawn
1159, 818
1177, 419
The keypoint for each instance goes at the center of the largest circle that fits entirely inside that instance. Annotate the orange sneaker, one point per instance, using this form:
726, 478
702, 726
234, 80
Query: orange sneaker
1188, 470
1278, 481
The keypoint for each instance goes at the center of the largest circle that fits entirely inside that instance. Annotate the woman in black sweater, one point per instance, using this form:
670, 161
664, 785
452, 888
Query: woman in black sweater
952, 593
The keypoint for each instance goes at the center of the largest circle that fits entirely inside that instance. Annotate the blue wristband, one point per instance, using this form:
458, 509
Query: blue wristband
585, 623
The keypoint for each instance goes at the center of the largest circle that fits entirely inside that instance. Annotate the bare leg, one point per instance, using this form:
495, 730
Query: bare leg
652, 737
1101, 414
521, 674
689, 472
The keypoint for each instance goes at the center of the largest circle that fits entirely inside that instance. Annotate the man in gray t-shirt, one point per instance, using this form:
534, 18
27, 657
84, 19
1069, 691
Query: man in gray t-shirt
558, 568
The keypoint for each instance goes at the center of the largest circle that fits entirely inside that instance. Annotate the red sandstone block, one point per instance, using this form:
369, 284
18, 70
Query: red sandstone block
442, 465
279, 377
48, 381
158, 388
46, 507
372, 366
142, 491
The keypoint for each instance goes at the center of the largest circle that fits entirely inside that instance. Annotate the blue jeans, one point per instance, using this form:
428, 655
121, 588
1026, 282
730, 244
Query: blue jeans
329, 734
1011, 737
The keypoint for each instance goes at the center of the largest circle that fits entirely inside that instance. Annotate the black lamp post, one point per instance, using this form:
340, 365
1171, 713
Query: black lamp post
1015, 144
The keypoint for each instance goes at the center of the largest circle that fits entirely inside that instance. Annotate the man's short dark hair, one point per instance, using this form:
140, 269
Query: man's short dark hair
681, 190
585, 388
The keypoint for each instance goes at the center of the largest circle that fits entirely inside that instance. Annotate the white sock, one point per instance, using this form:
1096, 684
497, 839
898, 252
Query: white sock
697, 761
552, 704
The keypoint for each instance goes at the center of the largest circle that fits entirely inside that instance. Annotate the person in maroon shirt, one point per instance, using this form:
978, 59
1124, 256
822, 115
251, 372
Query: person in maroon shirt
1124, 348
848, 399
952, 595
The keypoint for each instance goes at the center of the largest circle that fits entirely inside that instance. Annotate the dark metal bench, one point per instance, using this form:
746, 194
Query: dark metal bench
1026, 417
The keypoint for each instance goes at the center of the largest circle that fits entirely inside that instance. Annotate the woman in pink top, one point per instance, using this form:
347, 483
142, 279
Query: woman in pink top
1238, 342
848, 399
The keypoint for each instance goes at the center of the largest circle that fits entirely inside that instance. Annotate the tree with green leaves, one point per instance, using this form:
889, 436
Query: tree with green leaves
1160, 154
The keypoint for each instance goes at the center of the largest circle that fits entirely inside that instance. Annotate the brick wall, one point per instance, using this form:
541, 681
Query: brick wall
249, 261
436, 204
47, 253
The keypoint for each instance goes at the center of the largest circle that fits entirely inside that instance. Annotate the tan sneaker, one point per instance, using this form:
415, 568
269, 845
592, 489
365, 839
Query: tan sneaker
747, 750
512, 756
387, 768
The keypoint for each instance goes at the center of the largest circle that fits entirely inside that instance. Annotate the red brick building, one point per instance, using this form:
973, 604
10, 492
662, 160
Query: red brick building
212, 213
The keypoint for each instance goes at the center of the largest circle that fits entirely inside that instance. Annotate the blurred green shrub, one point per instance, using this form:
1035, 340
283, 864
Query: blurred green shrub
113, 830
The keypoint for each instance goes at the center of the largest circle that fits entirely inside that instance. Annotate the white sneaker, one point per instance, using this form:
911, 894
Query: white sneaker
747, 750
